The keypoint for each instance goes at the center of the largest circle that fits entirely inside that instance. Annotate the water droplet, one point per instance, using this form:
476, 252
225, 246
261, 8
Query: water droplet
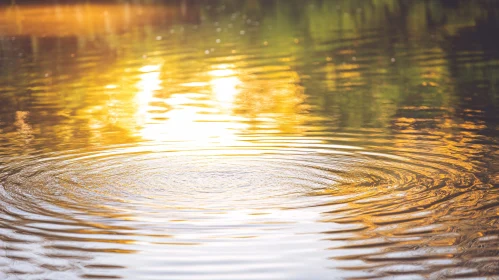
265, 43
207, 52
172, 31
393, 59
242, 32
158, 38
297, 40
219, 29
217, 41
354, 58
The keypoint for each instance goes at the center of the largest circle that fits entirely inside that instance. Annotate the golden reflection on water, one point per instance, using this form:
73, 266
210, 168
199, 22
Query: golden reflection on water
149, 83
215, 109
343, 148
87, 20
199, 117
225, 85
24, 130
224, 101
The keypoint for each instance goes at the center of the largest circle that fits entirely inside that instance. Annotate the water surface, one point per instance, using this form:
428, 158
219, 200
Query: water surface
249, 140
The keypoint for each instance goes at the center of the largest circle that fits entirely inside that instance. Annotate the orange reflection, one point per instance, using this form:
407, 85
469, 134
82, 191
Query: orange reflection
277, 102
201, 118
219, 106
110, 101
78, 19
24, 130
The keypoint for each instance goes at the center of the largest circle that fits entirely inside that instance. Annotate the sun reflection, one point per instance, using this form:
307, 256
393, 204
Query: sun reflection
225, 85
149, 83
198, 117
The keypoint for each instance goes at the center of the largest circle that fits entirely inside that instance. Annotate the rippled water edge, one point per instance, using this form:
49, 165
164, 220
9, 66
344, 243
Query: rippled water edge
285, 208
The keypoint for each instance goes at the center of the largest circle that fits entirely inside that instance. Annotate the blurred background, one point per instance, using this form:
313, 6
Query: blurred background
358, 63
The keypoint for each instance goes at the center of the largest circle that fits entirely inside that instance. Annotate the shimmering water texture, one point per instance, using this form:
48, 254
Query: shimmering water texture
249, 140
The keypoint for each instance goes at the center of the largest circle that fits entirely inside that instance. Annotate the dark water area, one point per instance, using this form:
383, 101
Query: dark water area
249, 139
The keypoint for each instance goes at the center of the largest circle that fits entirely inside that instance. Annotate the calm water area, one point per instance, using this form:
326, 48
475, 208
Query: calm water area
249, 139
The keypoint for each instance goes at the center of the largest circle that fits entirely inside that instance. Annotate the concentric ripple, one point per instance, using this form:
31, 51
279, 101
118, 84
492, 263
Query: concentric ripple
305, 206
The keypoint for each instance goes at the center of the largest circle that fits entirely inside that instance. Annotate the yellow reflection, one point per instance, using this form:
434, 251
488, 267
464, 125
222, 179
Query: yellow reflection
233, 103
149, 82
149, 68
278, 103
225, 84
197, 118
24, 130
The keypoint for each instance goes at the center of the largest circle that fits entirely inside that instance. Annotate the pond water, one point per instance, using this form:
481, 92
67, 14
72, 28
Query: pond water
249, 140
